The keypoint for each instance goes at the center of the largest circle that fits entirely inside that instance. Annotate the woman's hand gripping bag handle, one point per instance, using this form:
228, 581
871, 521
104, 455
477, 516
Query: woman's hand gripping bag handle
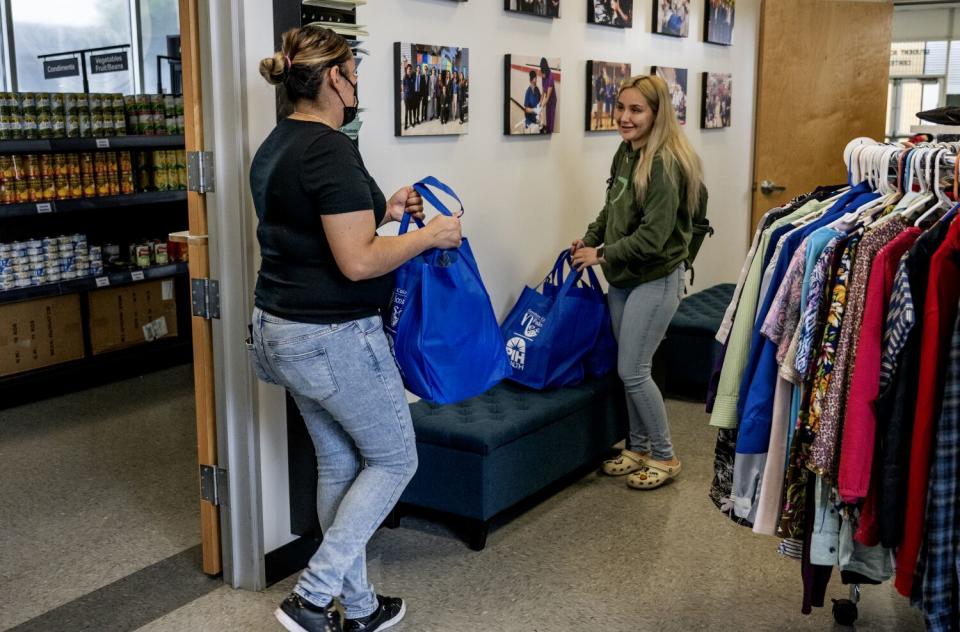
549, 333
446, 339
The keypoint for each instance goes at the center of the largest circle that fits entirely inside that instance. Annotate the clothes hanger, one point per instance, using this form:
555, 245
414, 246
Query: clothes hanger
925, 196
944, 202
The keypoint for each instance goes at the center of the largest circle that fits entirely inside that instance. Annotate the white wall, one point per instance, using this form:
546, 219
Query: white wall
922, 24
526, 198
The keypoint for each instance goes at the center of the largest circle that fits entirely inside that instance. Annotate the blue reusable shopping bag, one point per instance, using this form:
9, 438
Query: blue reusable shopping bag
602, 358
549, 333
445, 335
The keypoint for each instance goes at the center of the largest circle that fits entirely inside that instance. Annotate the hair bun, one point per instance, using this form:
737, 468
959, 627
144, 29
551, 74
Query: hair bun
274, 69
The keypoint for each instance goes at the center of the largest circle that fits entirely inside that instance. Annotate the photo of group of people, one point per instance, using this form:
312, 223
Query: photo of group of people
603, 85
532, 86
671, 17
432, 90
543, 8
717, 93
617, 13
676, 79
718, 27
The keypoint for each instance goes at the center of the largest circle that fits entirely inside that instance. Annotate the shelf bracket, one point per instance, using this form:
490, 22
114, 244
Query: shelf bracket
200, 176
205, 297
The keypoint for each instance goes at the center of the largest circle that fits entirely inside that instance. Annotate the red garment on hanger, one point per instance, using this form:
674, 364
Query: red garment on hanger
939, 316
859, 427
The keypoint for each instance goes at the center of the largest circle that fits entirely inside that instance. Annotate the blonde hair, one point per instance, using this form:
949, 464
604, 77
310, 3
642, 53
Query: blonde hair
666, 139
305, 56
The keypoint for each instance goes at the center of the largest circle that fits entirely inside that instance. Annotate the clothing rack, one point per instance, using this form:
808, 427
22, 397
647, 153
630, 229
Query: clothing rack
836, 395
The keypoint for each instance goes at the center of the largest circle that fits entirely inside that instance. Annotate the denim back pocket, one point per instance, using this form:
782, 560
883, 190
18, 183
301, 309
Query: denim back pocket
305, 371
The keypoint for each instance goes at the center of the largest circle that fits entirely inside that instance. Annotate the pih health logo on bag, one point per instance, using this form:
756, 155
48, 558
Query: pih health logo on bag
532, 323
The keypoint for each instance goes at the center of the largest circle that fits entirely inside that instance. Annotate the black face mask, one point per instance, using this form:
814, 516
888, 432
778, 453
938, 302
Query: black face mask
350, 112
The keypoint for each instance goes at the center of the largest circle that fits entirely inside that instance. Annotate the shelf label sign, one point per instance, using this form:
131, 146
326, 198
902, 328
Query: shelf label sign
56, 68
103, 143
45, 207
103, 281
137, 276
109, 62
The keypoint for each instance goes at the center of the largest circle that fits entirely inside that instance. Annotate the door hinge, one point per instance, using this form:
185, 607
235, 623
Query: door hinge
200, 177
213, 485
205, 295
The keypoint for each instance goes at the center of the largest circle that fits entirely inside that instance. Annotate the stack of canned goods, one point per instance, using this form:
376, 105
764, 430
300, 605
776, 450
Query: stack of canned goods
149, 252
161, 170
45, 177
30, 115
154, 114
50, 260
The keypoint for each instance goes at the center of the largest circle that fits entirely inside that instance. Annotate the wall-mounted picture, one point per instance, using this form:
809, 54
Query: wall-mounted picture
718, 23
432, 88
671, 17
532, 89
618, 13
717, 94
676, 79
542, 8
603, 84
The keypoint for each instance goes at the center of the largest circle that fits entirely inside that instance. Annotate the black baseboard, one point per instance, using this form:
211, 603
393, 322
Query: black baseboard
289, 558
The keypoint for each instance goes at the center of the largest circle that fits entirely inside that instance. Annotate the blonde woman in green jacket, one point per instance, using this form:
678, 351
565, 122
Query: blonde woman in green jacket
641, 239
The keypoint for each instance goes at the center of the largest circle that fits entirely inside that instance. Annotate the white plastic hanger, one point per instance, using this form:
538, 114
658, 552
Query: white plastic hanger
944, 202
925, 195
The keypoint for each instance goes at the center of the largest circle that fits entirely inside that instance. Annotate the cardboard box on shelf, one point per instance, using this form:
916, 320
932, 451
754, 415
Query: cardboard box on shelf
40, 333
127, 316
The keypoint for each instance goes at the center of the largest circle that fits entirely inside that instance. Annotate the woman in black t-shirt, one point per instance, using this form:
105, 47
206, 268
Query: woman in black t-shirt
324, 276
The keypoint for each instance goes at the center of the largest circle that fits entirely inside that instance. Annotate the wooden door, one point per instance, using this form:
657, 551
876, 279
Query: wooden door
823, 70
200, 269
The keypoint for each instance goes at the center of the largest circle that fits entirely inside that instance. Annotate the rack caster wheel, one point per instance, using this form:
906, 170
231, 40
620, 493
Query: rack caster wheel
844, 611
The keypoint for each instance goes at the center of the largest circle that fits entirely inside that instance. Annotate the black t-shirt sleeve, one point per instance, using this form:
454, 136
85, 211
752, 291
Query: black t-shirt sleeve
333, 176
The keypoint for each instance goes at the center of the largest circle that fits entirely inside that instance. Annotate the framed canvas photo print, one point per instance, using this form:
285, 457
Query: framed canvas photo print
671, 17
532, 95
676, 79
603, 85
540, 8
617, 13
718, 22
717, 97
432, 90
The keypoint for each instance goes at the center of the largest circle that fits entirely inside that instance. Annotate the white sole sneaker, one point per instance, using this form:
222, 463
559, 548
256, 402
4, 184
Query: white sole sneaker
287, 622
397, 619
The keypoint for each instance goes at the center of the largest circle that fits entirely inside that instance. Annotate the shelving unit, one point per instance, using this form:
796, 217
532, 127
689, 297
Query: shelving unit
66, 145
119, 219
91, 204
86, 284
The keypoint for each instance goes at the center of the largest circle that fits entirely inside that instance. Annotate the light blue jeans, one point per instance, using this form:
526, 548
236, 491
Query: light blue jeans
640, 318
345, 381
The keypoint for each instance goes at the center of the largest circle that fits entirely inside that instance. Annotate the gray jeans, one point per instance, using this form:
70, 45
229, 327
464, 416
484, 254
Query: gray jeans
640, 317
347, 386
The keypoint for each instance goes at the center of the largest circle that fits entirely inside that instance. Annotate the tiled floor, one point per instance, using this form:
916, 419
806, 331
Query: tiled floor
116, 493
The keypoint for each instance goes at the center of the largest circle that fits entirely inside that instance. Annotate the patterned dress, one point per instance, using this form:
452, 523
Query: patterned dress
823, 452
813, 393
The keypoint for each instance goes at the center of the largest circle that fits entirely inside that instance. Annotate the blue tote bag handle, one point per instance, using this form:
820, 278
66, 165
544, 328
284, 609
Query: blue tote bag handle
421, 187
556, 277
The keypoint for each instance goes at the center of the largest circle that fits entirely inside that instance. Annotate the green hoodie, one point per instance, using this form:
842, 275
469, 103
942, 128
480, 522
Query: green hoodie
642, 243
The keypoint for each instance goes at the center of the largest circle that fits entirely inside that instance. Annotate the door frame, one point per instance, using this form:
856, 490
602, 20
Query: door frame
217, 37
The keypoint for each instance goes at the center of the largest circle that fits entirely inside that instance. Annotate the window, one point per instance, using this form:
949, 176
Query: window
41, 27
159, 19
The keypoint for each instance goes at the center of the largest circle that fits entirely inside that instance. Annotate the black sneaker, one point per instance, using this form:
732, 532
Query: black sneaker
299, 615
389, 613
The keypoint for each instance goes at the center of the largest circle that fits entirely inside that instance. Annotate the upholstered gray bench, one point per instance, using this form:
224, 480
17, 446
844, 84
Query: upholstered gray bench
687, 355
487, 454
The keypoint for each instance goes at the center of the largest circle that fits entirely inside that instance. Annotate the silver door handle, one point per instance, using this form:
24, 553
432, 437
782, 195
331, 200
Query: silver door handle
768, 187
